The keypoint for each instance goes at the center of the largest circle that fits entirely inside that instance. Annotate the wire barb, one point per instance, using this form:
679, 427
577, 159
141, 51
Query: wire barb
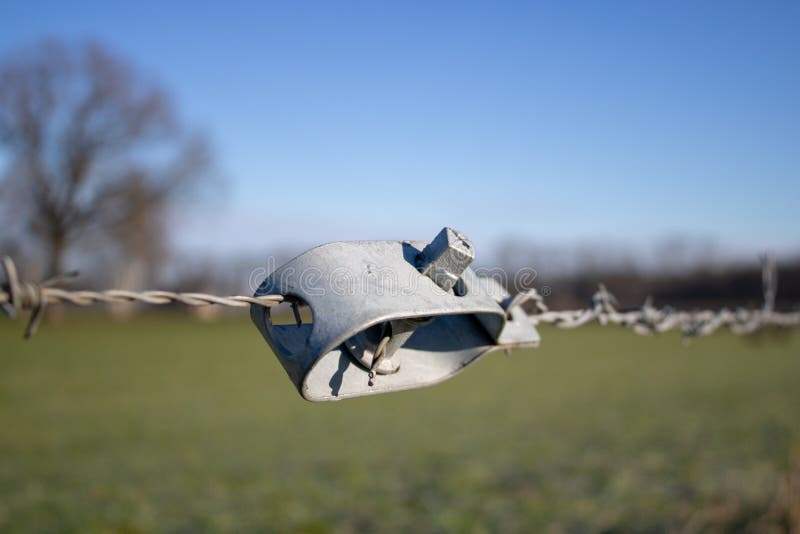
769, 281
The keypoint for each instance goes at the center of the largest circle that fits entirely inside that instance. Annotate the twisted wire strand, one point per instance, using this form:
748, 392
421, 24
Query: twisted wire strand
17, 296
53, 295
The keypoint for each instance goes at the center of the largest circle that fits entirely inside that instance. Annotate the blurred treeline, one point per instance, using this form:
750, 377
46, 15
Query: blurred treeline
680, 271
700, 286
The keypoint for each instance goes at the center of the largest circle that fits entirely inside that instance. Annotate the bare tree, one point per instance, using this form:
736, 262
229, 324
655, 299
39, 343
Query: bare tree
90, 147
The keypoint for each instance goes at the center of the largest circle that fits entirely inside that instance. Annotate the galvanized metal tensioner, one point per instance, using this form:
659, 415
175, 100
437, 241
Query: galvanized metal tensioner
388, 316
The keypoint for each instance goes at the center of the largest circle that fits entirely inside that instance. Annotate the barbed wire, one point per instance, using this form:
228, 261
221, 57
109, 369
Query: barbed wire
17, 296
647, 319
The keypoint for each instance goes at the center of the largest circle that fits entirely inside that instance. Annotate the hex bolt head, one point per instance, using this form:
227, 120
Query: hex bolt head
446, 258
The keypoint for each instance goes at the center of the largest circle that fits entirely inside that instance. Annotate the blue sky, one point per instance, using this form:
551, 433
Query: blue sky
567, 122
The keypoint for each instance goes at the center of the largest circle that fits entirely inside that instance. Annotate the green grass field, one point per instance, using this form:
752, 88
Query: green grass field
166, 423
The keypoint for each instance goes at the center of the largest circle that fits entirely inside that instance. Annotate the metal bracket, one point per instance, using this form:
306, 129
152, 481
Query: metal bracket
387, 316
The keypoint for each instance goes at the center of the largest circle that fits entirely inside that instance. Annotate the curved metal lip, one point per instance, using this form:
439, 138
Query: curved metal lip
473, 355
304, 366
346, 334
340, 340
